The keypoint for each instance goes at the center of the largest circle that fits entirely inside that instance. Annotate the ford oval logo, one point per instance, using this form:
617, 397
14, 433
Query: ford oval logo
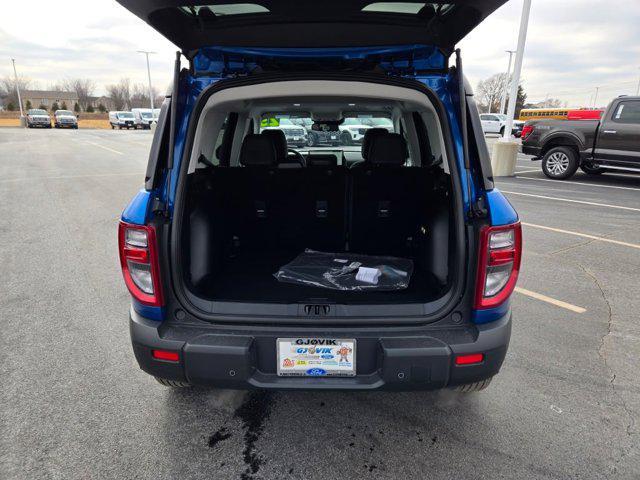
316, 372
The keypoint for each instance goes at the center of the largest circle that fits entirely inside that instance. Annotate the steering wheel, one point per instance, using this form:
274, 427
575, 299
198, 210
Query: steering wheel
298, 155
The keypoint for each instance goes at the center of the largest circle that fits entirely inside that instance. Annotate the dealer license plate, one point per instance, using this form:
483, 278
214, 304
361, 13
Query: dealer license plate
316, 357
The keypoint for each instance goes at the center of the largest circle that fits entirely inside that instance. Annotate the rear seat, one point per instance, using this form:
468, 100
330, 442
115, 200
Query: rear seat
384, 213
313, 207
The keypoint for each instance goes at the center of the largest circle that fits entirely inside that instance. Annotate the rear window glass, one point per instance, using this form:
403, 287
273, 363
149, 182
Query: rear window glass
410, 8
232, 9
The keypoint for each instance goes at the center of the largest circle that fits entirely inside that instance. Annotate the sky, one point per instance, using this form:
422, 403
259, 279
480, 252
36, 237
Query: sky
573, 46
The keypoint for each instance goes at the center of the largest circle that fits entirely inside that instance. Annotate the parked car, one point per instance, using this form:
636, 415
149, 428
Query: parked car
318, 136
496, 123
594, 146
65, 119
143, 117
199, 245
37, 117
353, 130
295, 135
122, 120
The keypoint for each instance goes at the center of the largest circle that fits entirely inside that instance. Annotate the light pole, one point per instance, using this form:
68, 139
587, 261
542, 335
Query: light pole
595, 100
503, 102
517, 70
15, 74
149, 75
638, 90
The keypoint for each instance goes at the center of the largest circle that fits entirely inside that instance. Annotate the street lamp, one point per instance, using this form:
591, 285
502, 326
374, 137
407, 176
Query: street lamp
15, 73
517, 70
503, 102
595, 100
638, 90
149, 75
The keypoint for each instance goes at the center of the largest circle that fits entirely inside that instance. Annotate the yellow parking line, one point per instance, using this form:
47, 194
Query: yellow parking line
552, 301
583, 235
558, 199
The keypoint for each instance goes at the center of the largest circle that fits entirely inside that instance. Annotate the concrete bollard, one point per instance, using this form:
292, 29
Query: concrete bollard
503, 158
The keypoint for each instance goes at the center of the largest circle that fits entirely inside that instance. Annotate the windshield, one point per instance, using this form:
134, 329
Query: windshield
146, 114
37, 111
63, 112
124, 115
343, 137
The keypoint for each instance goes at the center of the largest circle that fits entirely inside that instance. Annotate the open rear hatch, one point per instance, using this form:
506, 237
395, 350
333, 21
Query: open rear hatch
192, 25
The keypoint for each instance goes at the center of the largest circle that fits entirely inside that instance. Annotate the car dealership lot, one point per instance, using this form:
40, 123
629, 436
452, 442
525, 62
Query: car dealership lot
75, 405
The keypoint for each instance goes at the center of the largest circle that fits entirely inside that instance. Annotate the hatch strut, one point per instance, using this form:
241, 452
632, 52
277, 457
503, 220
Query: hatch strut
463, 130
172, 128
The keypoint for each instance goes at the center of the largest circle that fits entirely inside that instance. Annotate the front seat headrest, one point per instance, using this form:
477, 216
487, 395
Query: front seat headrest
388, 150
369, 135
258, 150
280, 141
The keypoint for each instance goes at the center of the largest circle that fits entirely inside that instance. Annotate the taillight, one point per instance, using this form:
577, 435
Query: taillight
139, 262
499, 263
526, 131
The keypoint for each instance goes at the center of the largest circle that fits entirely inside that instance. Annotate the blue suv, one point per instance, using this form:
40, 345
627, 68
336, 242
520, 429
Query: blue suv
255, 262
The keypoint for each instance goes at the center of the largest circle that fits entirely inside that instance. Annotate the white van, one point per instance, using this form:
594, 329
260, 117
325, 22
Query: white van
122, 120
143, 117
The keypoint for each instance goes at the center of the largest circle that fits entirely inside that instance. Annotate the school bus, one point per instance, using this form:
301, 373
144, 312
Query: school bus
544, 113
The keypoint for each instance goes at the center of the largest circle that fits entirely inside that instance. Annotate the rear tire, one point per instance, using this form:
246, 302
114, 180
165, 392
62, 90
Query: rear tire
346, 139
502, 132
172, 383
560, 163
474, 387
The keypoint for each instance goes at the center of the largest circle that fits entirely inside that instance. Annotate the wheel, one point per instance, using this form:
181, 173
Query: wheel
172, 383
119, 127
560, 163
474, 387
75, 127
57, 126
502, 132
112, 127
591, 169
346, 138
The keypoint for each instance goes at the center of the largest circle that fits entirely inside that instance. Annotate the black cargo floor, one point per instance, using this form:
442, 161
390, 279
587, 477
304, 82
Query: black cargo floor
249, 278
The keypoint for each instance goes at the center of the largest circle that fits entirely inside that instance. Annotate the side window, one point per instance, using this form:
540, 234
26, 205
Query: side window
627, 113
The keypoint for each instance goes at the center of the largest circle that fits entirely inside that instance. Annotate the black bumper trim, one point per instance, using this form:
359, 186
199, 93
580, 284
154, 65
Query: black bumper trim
423, 361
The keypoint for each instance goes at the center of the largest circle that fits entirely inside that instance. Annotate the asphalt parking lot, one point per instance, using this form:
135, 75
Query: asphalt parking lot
75, 405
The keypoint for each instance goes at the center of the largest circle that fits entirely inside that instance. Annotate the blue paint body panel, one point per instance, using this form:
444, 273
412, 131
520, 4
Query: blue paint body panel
152, 313
137, 210
500, 210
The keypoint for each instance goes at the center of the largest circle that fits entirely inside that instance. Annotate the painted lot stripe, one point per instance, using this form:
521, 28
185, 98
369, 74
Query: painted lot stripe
62, 177
551, 301
527, 171
583, 235
558, 199
568, 184
102, 146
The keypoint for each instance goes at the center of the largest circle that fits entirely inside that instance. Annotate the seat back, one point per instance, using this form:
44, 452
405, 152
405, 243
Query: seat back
385, 203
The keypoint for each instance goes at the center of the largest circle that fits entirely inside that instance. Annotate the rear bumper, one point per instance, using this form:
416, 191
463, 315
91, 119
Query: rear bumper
419, 360
529, 150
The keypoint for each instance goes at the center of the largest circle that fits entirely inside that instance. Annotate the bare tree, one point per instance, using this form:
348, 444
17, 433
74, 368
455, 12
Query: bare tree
8, 88
490, 91
140, 96
120, 94
83, 88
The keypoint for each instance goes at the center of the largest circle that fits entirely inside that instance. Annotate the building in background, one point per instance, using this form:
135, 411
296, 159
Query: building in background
48, 98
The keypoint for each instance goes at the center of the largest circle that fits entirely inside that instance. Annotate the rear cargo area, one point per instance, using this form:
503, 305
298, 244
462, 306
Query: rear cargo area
243, 224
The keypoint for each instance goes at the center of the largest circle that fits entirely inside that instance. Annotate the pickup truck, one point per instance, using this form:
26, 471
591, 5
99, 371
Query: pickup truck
611, 144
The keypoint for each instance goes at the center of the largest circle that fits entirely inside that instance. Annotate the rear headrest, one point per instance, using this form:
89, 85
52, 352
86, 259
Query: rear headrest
388, 150
280, 141
369, 135
324, 160
258, 150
